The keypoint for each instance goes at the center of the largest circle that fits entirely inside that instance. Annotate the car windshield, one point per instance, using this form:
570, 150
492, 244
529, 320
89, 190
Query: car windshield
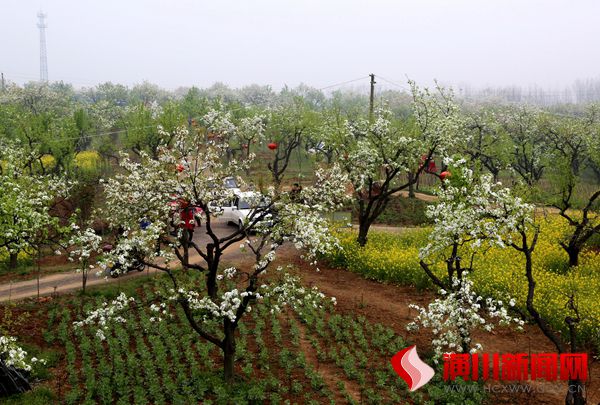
230, 183
246, 205
243, 205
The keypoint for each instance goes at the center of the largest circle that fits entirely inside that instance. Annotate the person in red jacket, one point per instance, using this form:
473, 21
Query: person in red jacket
188, 222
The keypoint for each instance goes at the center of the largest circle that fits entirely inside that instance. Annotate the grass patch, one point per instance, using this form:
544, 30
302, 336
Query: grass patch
37, 396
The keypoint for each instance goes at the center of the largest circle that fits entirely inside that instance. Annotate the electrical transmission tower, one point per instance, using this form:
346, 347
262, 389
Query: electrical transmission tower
43, 57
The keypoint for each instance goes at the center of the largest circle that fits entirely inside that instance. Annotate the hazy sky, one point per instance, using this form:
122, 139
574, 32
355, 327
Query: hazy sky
196, 42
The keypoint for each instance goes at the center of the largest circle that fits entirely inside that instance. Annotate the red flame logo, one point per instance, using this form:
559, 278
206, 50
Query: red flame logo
411, 368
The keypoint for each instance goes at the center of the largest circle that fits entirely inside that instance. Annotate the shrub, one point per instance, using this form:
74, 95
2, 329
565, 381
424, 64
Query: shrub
88, 160
402, 211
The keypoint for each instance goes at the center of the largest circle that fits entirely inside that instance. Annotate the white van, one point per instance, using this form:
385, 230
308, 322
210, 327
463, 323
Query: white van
241, 207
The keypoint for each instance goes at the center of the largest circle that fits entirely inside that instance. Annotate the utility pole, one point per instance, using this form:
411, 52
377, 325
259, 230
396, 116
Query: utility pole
371, 96
2, 81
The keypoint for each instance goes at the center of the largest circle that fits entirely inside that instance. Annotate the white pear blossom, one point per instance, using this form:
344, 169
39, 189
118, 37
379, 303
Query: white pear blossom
473, 212
456, 315
13, 355
26, 199
108, 313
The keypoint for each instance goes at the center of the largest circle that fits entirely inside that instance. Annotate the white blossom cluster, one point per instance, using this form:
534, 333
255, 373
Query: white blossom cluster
84, 243
26, 199
245, 131
438, 117
227, 307
230, 272
376, 146
161, 310
220, 122
329, 192
473, 212
105, 315
290, 292
14, 356
267, 259
143, 191
454, 317
135, 244
251, 129
306, 228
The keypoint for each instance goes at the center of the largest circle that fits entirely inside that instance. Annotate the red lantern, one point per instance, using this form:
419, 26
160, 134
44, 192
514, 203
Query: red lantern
444, 175
180, 168
272, 146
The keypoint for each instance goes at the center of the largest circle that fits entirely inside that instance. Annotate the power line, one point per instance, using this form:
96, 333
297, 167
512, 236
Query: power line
393, 83
342, 83
95, 135
90, 82
78, 81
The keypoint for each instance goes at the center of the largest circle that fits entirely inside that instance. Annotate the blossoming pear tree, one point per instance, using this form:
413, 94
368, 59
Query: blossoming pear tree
490, 147
241, 133
84, 243
472, 213
144, 191
574, 146
26, 201
289, 126
384, 156
525, 241
529, 155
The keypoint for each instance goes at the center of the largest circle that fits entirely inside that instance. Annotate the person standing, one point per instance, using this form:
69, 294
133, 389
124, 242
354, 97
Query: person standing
295, 192
188, 222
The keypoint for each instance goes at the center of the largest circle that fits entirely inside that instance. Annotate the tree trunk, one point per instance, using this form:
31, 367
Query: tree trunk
575, 395
246, 158
573, 252
363, 231
541, 322
13, 260
228, 350
575, 391
411, 185
495, 173
211, 279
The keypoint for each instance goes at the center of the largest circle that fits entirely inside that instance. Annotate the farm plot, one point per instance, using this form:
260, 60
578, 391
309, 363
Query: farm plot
311, 356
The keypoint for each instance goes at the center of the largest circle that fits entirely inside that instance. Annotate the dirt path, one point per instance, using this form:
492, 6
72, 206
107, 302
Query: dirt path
420, 196
71, 281
432, 198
